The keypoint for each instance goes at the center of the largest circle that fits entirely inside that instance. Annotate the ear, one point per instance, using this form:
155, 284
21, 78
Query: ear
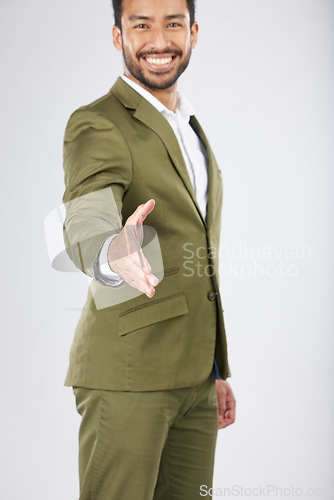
194, 35
117, 38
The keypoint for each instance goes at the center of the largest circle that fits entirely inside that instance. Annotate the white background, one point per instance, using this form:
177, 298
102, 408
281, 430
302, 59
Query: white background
262, 82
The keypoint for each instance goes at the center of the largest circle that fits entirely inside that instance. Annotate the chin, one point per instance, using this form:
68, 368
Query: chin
163, 83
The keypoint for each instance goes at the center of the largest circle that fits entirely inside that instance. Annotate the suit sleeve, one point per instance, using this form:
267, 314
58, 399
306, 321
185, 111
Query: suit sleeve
98, 171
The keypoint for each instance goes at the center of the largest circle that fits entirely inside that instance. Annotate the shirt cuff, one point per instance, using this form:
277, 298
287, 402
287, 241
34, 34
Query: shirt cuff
217, 374
102, 271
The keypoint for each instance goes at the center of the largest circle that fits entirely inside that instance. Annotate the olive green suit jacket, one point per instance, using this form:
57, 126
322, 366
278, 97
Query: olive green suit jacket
119, 152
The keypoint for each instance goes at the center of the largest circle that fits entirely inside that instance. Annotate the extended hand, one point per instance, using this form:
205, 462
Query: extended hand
125, 255
226, 404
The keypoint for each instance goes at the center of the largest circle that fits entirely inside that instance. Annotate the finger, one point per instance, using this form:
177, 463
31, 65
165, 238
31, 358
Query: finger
130, 270
146, 267
141, 212
230, 411
221, 398
229, 417
145, 263
139, 281
221, 424
222, 403
151, 278
225, 423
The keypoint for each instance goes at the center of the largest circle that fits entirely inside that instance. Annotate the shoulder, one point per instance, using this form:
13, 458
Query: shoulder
93, 131
104, 110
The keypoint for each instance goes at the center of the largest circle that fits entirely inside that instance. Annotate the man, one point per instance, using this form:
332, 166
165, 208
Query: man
144, 349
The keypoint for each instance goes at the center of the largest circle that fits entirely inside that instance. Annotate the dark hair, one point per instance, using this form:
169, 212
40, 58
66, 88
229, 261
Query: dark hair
117, 6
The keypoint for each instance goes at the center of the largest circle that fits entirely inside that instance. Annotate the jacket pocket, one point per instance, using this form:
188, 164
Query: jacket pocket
154, 312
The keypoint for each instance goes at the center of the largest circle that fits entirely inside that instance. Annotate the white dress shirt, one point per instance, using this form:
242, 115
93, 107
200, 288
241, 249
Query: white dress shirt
194, 155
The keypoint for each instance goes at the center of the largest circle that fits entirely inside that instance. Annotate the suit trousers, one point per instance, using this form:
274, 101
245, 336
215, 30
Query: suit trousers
152, 445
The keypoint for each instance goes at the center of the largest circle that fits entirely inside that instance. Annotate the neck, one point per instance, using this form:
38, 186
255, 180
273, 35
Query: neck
168, 97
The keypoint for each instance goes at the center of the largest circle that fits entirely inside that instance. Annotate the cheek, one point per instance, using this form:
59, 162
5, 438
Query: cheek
132, 46
185, 43
128, 47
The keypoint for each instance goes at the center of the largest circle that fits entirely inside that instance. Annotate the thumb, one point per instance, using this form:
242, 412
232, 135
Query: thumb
141, 212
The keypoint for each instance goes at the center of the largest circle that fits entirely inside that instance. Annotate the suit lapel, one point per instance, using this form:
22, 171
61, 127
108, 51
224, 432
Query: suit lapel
152, 118
212, 175
148, 115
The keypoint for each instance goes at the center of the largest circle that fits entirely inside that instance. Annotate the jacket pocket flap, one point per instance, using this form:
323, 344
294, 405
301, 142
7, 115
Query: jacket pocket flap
151, 313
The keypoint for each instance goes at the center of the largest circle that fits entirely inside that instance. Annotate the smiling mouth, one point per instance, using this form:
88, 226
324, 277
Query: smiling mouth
159, 62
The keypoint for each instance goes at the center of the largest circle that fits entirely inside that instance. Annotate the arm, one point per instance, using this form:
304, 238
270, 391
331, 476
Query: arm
98, 171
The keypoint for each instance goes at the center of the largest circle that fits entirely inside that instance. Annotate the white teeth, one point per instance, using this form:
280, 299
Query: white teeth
158, 61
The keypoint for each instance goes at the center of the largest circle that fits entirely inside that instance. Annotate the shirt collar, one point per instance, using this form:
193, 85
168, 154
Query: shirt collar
184, 109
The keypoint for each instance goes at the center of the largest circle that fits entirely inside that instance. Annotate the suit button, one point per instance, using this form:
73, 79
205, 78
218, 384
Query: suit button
212, 296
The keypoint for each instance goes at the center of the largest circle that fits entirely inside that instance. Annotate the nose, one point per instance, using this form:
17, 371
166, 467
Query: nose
159, 39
